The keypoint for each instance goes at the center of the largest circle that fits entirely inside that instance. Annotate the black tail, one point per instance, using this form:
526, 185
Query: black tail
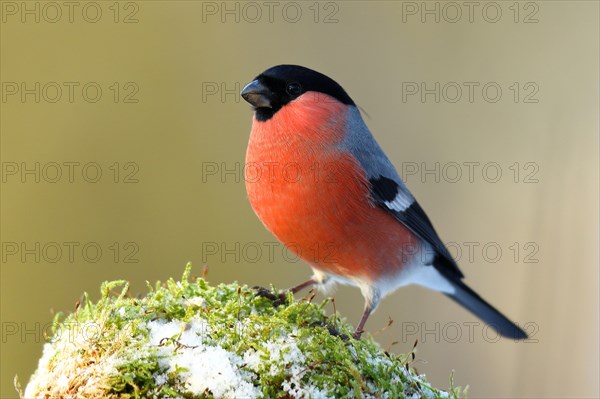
486, 312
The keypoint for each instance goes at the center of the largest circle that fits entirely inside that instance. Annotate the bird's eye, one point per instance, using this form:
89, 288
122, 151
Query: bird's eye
293, 89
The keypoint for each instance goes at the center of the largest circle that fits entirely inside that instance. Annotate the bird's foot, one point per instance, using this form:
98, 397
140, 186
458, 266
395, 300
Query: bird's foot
331, 329
278, 298
357, 334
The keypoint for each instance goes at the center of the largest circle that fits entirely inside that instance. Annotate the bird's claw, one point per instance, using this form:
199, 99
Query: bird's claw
278, 298
357, 334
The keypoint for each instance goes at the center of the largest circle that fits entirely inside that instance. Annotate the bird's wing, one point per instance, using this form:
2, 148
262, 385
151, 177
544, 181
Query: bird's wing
397, 201
389, 191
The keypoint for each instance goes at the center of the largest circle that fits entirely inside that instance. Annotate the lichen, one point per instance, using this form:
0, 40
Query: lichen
188, 339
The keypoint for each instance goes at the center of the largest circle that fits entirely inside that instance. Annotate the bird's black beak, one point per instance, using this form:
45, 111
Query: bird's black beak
257, 94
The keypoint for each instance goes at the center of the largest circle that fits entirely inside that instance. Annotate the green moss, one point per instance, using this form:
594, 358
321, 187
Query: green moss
191, 340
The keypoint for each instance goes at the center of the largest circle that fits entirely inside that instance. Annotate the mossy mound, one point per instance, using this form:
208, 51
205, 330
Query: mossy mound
191, 340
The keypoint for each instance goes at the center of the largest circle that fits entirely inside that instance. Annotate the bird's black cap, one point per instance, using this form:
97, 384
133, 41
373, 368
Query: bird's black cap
279, 85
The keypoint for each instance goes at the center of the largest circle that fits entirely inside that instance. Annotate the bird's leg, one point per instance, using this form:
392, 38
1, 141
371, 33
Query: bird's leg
359, 328
301, 286
372, 297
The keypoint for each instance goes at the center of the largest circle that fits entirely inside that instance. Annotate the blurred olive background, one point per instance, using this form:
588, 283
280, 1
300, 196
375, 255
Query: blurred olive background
168, 135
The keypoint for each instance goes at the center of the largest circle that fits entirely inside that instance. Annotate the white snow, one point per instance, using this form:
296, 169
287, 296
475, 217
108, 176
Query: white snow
208, 367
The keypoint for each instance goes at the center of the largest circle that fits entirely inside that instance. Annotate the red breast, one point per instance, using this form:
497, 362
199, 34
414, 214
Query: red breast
314, 197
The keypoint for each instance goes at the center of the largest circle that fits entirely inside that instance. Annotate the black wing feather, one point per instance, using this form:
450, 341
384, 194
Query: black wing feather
414, 218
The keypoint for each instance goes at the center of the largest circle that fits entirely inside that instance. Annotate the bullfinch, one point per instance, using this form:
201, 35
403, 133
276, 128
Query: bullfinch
321, 184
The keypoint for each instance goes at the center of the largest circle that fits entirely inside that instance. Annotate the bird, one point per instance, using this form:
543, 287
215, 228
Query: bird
321, 184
